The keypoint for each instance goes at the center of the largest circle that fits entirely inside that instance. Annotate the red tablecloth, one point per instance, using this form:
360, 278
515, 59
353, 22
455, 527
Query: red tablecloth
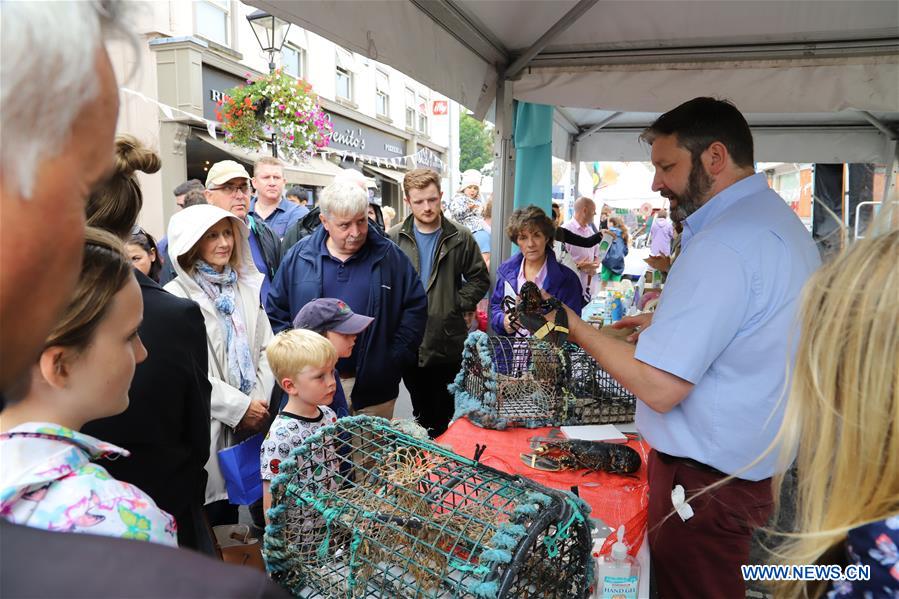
614, 498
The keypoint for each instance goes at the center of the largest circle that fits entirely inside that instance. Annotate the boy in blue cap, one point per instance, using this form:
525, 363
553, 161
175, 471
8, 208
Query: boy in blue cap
333, 319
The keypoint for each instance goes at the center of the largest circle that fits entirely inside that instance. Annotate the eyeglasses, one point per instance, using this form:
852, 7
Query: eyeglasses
232, 189
137, 230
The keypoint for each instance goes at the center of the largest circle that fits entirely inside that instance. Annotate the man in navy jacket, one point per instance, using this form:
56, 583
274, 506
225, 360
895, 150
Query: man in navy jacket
346, 260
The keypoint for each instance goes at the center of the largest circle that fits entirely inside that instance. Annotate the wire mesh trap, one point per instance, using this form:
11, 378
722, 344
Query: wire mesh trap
526, 382
364, 509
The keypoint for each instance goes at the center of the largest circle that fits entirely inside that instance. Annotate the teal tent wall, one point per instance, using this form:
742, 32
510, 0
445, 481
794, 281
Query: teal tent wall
533, 149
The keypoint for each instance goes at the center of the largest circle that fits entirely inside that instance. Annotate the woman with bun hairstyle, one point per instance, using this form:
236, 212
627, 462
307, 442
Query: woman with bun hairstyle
48, 479
211, 253
115, 205
166, 425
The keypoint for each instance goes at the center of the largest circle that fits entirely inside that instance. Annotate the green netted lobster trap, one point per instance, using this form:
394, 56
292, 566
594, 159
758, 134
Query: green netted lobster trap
364, 509
526, 382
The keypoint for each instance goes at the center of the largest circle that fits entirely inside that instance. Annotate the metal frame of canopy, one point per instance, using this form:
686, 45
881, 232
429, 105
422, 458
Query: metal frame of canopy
781, 60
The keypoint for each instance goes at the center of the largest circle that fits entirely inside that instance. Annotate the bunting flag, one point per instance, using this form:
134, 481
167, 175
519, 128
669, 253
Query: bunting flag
424, 157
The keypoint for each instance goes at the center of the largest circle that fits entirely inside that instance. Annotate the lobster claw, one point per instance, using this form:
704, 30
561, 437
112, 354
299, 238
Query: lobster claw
555, 332
541, 462
543, 444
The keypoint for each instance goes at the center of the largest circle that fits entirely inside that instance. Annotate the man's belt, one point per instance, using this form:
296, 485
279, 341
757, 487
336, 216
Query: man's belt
669, 459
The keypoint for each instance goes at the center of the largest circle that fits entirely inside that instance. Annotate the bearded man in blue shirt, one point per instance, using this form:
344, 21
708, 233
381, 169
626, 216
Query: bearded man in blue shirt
710, 366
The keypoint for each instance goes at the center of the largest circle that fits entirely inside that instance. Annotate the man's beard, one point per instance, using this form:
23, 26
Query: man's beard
698, 185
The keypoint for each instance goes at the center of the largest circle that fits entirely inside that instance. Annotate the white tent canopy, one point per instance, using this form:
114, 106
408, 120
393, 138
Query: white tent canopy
817, 80
810, 75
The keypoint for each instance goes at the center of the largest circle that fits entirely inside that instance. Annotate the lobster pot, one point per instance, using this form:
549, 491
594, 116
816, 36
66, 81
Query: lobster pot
363, 509
526, 382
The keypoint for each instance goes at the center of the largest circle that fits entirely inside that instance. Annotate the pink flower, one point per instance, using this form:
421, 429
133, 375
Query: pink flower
281, 107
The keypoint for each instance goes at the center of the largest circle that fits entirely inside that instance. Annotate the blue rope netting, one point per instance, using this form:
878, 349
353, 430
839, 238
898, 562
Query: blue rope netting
525, 382
401, 512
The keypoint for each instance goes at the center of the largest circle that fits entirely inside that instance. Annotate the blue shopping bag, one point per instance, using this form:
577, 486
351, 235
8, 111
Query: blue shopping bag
240, 467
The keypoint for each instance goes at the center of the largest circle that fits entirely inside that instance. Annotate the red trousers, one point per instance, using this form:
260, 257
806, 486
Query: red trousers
701, 557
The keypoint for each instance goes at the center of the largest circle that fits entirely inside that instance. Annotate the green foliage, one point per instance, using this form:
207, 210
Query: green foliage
475, 143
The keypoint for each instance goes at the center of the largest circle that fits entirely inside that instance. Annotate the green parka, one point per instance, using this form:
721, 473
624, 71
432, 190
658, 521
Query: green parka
458, 281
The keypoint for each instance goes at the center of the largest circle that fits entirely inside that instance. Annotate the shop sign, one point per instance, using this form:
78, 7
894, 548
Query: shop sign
426, 158
440, 107
353, 136
215, 84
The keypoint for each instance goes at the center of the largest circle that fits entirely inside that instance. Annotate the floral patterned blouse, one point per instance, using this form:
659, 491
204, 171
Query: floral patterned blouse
47, 480
875, 545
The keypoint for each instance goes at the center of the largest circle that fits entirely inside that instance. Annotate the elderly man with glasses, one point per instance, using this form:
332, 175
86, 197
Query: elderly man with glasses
228, 187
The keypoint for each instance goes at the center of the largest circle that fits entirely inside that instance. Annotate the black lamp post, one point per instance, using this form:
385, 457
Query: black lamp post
271, 33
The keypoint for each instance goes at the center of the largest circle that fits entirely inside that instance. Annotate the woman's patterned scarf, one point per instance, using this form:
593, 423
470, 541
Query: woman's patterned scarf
220, 287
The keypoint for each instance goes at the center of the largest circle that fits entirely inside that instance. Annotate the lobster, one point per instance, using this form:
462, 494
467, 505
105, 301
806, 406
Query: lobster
529, 313
554, 454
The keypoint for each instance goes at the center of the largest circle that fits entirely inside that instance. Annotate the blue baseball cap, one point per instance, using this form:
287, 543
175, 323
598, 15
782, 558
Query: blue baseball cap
330, 314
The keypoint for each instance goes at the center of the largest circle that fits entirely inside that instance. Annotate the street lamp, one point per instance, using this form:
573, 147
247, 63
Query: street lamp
271, 33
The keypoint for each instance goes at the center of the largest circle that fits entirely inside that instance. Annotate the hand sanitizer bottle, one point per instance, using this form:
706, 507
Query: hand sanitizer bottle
618, 574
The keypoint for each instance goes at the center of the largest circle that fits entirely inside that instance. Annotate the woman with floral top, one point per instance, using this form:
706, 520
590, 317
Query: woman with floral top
842, 422
47, 479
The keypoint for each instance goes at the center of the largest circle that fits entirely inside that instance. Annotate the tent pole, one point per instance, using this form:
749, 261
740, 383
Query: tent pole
503, 175
891, 164
585, 133
574, 160
879, 125
544, 40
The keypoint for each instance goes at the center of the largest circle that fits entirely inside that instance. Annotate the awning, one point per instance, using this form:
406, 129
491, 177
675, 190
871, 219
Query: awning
385, 172
316, 172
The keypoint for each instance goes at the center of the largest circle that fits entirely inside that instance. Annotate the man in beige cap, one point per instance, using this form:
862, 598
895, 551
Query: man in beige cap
228, 187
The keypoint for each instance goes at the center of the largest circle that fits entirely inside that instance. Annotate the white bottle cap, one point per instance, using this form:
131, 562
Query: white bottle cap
619, 549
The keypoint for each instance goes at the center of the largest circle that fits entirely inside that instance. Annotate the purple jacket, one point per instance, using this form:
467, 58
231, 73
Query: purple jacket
561, 282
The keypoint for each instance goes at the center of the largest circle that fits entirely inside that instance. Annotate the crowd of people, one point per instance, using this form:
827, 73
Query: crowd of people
128, 365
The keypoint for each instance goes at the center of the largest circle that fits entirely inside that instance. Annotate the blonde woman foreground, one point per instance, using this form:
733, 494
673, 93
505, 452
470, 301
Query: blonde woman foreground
843, 416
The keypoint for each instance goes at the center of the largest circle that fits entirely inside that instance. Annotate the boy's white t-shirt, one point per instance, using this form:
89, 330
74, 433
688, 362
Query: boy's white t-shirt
289, 431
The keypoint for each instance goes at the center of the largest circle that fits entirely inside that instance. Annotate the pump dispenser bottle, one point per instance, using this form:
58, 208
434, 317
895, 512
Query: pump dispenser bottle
617, 574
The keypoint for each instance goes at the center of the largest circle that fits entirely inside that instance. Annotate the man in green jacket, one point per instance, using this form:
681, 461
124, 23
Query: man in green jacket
454, 276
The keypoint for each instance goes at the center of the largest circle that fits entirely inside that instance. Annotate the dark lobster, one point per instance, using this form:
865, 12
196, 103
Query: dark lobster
555, 454
529, 313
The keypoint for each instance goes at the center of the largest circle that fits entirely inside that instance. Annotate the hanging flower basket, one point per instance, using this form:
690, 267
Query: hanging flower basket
275, 104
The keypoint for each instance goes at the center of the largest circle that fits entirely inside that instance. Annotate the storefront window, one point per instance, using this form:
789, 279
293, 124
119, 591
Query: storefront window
410, 109
344, 84
382, 94
212, 20
345, 66
422, 115
293, 60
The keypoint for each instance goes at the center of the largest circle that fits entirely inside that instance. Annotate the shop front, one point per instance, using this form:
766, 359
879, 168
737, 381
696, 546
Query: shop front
193, 77
384, 155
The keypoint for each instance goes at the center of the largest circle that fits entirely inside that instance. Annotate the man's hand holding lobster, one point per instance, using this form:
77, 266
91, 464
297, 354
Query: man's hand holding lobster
577, 327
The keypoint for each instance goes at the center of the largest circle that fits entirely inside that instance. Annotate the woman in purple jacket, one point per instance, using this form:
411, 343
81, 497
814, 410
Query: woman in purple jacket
532, 230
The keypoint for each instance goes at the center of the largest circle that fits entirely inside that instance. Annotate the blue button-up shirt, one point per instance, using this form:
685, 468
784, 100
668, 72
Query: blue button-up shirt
285, 214
727, 322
